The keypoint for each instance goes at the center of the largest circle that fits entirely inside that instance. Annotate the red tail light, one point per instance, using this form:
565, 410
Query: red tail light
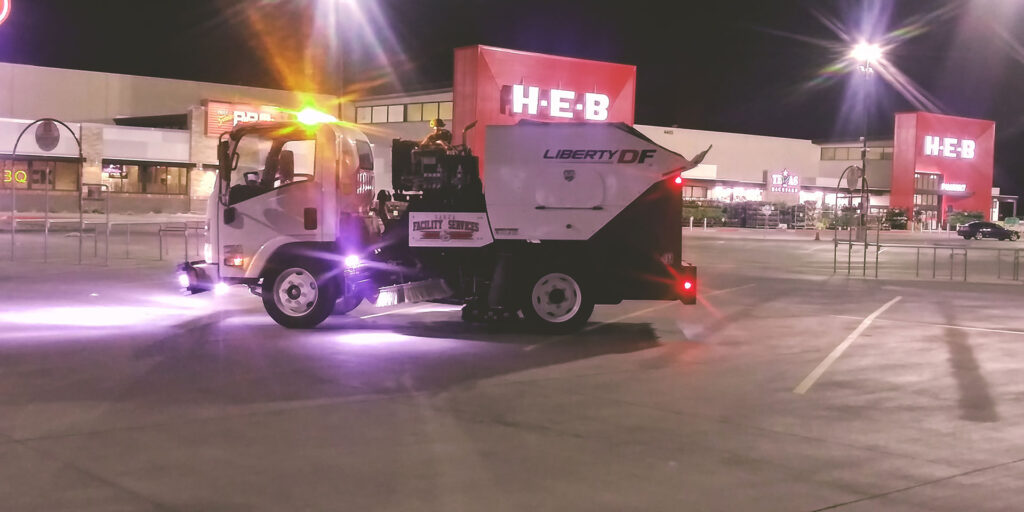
688, 285
679, 180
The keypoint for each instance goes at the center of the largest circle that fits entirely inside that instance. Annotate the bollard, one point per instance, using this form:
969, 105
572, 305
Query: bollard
691, 223
705, 223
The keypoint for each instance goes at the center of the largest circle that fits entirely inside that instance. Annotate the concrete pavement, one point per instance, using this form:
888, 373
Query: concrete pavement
117, 394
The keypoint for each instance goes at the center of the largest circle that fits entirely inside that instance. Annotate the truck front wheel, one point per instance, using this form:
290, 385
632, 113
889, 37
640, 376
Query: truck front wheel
558, 302
299, 296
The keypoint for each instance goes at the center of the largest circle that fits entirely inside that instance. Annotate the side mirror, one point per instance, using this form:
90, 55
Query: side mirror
224, 161
229, 215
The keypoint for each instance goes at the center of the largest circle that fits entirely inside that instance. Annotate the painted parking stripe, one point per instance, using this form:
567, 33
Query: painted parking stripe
838, 351
948, 326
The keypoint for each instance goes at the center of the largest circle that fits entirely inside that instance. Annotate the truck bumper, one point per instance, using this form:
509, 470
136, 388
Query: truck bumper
197, 276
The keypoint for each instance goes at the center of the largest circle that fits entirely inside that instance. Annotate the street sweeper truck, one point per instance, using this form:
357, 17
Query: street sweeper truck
568, 215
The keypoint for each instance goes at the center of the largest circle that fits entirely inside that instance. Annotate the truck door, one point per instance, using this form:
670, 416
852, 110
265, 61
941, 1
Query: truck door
275, 192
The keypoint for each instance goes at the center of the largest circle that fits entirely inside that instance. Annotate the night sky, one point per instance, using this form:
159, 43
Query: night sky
761, 67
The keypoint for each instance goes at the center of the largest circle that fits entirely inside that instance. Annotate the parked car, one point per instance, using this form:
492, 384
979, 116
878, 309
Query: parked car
981, 229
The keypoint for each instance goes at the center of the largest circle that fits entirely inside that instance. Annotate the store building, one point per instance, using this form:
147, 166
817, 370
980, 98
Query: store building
152, 141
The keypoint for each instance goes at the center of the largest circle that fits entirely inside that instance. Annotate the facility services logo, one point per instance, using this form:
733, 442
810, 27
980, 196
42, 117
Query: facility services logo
5, 10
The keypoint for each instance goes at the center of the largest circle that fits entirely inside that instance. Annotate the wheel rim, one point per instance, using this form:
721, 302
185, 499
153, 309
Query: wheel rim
556, 297
295, 292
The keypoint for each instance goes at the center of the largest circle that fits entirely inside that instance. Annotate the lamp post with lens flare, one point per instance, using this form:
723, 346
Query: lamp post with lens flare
865, 54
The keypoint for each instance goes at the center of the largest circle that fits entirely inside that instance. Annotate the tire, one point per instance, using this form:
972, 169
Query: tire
1014, 237
967, 237
299, 296
977, 236
557, 301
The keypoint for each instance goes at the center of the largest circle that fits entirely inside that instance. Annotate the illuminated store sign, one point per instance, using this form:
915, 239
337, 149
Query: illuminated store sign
115, 171
785, 182
948, 147
953, 187
565, 104
222, 117
18, 176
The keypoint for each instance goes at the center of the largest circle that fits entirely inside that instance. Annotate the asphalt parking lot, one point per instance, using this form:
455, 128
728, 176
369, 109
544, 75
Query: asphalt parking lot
785, 388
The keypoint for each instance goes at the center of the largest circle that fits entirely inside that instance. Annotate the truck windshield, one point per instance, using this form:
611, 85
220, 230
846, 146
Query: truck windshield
266, 163
272, 163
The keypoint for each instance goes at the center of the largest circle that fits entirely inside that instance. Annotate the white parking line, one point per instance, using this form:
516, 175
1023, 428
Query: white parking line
948, 326
838, 351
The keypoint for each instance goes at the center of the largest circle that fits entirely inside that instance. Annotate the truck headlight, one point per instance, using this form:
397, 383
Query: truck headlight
352, 261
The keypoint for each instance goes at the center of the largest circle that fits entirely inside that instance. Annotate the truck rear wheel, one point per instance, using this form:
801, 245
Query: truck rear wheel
299, 296
557, 302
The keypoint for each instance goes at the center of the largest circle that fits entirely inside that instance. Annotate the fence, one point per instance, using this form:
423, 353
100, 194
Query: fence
957, 262
52, 239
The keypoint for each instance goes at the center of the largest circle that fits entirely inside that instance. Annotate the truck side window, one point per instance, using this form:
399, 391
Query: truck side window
365, 155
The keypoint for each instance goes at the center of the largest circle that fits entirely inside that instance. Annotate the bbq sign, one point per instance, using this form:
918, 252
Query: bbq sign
449, 229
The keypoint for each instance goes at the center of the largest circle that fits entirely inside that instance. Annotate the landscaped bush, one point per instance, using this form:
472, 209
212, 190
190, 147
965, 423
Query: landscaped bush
957, 218
896, 218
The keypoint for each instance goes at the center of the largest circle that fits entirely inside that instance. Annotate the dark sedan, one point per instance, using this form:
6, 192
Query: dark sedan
980, 229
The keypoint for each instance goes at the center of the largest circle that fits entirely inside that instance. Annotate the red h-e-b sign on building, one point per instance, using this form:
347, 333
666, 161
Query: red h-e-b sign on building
959, 149
496, 86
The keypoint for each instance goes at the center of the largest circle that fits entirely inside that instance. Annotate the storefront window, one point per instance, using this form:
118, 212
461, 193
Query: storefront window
39, 174
429, 111
695, 192
145, 178
732, 194
444, 110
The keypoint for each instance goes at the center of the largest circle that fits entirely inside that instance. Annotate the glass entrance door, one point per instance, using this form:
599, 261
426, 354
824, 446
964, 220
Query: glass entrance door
927, 204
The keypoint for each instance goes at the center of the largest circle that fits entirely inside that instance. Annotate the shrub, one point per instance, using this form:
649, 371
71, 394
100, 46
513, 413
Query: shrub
896, 218
957, 218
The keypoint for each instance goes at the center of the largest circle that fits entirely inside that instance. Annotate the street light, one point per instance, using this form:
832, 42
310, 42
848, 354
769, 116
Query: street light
865, 54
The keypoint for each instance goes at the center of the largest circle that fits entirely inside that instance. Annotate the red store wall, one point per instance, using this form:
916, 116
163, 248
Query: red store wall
497, 86
961, 149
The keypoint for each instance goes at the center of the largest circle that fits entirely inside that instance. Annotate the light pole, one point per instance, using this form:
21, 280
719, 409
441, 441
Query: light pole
865, 54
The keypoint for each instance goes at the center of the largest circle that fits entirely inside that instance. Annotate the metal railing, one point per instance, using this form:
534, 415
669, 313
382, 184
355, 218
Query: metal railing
958, 256
190, 231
